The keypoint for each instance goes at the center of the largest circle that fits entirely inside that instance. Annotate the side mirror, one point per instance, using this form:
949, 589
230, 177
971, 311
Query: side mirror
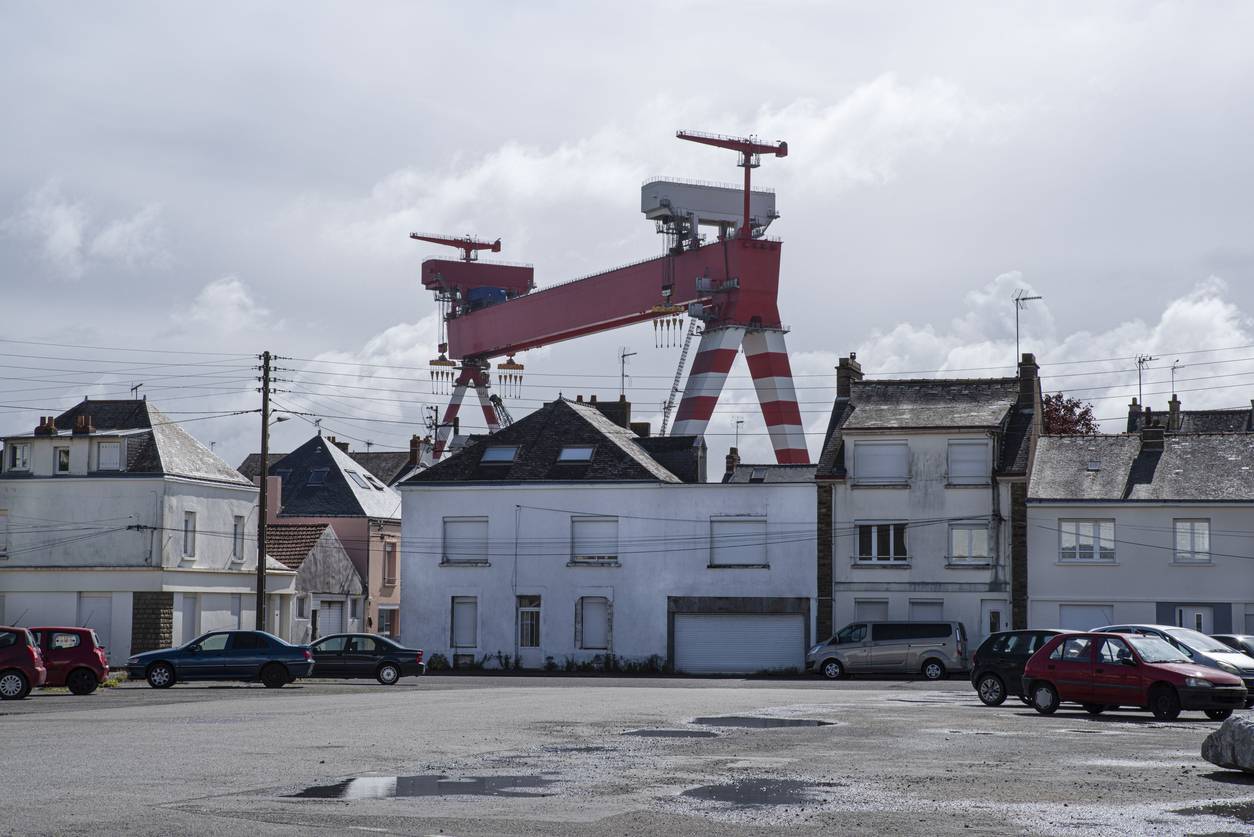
193, 649
1126, 661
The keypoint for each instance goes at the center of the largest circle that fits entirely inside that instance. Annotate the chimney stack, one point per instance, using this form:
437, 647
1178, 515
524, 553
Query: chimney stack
341, 445
641, 428
1029, 376
1173, 414
1152, 437
848, 370
82, 424
1134, 412
415, 450
47, 426
733, 459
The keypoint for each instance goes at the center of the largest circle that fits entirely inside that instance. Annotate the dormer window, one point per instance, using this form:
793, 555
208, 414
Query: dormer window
576, 453
499, 455
757, 475
318, 476
19, 456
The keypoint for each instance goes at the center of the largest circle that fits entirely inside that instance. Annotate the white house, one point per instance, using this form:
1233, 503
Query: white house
921, 489
566, 538
1143, 527
113, 517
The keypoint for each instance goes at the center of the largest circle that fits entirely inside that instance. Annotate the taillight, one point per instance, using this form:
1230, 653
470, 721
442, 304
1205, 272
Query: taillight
420, 656
35, 656
308, 655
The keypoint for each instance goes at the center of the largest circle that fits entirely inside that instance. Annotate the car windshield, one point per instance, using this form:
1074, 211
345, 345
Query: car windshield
1152, 649
1198, 641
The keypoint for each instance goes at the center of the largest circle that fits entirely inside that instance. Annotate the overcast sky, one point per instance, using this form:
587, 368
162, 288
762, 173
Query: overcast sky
237, 177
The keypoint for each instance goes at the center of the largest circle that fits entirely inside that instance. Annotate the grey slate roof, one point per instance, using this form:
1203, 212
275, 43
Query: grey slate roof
618, 454
928, 404
771, 474
154, 443
1201, 421
387, 465
1205, 467
338, 494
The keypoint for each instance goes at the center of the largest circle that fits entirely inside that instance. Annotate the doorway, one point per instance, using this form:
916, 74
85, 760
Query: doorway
1198, 617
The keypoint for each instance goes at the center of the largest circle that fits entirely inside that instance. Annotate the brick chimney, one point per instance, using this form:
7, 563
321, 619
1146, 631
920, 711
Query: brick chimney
341, 445
641, 428
1173, 414
47, 426
274, 499
82, 424
1134, 412
415, 450
733, 459
848, 370
1029, 376
1152, 437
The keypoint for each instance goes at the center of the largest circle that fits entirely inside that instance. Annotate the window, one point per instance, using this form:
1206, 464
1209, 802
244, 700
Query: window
388, 623
757, 475
465, 621
528, 621
881, 463
4, 537
851, 633
882, 542
389, 562
352, 608
60, 640
108, 456
302, 607
331, 645
576, 453
248, 641
968, 544
318, 476
594, 623
969, 463
61, 460
870, 610
499, 454
364, 645
465, 540
189, 534
738, 542
1113, 651
910, 630
378, 486
1192, 540
1072, 650
1086, 540
922, 611
594, 538
19, 457
237, 538
356, 477
214, 642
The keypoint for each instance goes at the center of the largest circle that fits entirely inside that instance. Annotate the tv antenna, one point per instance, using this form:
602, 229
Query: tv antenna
1175, 364
623, 354
1141, 362
739, 421
1021, 300
135, 391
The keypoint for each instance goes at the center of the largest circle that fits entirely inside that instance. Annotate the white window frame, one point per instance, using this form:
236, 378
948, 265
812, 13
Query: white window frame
867, 444
985, 477
465, 601
4, 543
394, 617
892, 558
189, 534
740, 541
970, 558
460, 558
101, 446
1086, 531
56, 459
239, 526
601, 557
583, 623
391, 574
19, 456
1190, 526
534, 614
495, 455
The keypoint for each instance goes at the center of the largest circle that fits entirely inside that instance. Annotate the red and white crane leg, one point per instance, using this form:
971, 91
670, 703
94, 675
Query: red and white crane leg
489, 412
715, 356
767, 354
466, 377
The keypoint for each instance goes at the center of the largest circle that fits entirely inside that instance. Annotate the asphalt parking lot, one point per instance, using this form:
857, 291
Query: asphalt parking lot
482, 755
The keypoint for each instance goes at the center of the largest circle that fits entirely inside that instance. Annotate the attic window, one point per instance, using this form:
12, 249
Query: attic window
1095, 465
758, 475
318, 476
356, 477
499, 454
576, 453
378, 486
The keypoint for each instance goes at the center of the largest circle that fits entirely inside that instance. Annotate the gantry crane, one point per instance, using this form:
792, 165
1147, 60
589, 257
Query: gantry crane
730, 284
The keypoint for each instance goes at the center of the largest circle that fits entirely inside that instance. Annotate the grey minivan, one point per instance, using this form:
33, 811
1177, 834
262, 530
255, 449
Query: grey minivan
932, 649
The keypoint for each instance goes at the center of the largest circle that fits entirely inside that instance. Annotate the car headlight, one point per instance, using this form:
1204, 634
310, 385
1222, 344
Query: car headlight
814, 650
132, 661
1198, 683
1231, 669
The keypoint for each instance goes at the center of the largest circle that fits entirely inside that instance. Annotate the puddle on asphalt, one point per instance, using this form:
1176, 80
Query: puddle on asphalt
1243, 812
390, 787
672, 733
592, 748
753, 722
759, 792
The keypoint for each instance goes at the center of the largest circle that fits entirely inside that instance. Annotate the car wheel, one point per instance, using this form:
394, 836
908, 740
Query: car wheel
991, 690
1094, 708
1218, 714
1025, 700
388, 674
1045, 698
1164, 703
934, 670
833, 669
82, 681
160, 675
274, 676
13, 685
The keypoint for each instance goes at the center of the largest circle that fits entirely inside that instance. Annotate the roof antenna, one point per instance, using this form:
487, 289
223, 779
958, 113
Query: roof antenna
135, 391
1141, 361
318, 426
739, 421
369, 445
1021, 300
1175, 364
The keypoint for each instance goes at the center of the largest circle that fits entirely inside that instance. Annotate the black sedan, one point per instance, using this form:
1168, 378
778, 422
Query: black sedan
1238, 642
224, 655
366, 655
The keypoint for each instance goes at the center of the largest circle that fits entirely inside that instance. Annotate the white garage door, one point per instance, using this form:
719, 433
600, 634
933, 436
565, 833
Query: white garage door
1085, 617
738, 643
330, 618
95, 611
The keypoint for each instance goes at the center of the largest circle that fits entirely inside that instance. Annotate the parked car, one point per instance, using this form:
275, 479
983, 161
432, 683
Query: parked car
1199, 648
1103, 671
932, 649
997, 665
21, 663
366, 655
74, 658
1237, 642
225, 655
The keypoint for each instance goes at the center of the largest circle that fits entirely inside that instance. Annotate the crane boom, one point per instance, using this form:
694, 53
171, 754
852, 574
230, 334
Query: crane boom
468, 244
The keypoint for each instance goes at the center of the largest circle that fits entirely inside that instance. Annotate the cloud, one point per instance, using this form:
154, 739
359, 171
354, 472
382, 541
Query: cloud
134, 241
226, 305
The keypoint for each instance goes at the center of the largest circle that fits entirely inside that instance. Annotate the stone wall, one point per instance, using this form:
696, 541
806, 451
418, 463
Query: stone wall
823, 625
152, 621
1018, 555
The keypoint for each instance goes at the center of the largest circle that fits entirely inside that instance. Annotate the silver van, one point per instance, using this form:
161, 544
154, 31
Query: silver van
932, 649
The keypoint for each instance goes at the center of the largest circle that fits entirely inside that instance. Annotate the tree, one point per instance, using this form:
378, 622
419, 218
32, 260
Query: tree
1068, 416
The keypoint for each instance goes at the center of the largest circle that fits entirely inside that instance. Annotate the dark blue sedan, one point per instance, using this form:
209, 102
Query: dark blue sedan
225, 655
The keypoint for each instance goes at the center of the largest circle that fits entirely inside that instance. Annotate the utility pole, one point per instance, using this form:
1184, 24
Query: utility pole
623, 354
1021, 300
1141, 361
262, 508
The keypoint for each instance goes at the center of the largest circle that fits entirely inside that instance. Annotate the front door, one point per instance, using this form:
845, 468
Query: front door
854, 644
1070, 667
209, 660
1115, 683
329, 656
529, 653
1198, 617
991, 618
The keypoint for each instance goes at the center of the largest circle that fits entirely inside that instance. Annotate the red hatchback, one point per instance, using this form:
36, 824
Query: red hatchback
1103, 671
21, 664
74, 658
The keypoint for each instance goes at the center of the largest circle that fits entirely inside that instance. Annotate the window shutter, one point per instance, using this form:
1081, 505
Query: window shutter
594, 537
596, 622
881, 462
465, 539
109, 456
465, 621
738, 542
969, 463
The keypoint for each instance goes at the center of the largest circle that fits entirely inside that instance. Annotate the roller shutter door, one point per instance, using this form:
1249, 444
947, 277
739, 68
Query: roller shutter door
738, 643
1085, 617
330, 618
